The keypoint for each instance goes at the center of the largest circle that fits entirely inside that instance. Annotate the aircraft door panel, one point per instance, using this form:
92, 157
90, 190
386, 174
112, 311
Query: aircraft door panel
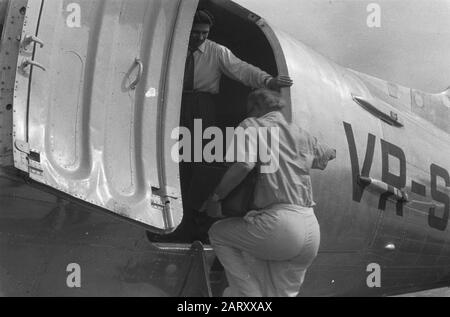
103, 105
11, 23
23, 76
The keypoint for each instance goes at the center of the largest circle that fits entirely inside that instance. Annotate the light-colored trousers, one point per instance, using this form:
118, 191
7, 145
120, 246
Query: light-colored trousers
267, 253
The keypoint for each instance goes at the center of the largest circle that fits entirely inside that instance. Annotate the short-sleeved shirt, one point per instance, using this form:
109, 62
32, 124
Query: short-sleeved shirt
213, 60
298, 152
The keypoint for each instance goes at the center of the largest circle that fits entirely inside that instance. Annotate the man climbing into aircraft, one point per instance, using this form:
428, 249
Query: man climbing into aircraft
267, 252
206, 62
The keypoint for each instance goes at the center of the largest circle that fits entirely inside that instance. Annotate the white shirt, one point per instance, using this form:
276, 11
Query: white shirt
212, 60
299, 152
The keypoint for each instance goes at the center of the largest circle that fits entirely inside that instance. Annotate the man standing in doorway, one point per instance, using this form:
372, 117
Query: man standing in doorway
206, 62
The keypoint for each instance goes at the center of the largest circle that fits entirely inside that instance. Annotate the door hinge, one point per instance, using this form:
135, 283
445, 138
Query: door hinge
166, 200
164, 205
32, 158
166, 192
22, 146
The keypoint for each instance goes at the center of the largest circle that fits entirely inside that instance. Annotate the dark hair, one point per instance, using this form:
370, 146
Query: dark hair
203, 17
265, 99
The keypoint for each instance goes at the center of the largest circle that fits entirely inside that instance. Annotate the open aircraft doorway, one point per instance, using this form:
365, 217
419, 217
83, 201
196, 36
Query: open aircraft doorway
252, 40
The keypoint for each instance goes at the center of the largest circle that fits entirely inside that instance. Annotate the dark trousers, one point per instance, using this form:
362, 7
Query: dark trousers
196, 105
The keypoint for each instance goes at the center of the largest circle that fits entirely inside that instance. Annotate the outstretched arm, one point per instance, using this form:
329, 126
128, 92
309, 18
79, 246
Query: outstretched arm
232, 178
322, 155
247, 74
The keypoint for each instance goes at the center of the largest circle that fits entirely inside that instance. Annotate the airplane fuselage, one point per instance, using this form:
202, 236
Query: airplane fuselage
383, 205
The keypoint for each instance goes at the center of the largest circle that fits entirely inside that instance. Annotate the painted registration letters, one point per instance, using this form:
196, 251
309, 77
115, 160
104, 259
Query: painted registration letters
358, 188
398, 179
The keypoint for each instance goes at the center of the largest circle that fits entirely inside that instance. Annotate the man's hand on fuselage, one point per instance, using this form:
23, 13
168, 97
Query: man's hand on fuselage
276, 83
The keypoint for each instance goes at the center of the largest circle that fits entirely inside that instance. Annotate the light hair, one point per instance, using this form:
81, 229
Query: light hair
265, 100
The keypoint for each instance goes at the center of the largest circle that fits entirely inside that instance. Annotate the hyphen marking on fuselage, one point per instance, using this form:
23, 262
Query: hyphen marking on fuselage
396, 181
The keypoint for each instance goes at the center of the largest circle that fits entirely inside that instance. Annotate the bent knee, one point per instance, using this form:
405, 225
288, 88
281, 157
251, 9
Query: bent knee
212, 232
223, 229
216, 230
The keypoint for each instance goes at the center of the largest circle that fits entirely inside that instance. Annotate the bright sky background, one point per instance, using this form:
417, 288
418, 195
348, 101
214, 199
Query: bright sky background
411, 48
